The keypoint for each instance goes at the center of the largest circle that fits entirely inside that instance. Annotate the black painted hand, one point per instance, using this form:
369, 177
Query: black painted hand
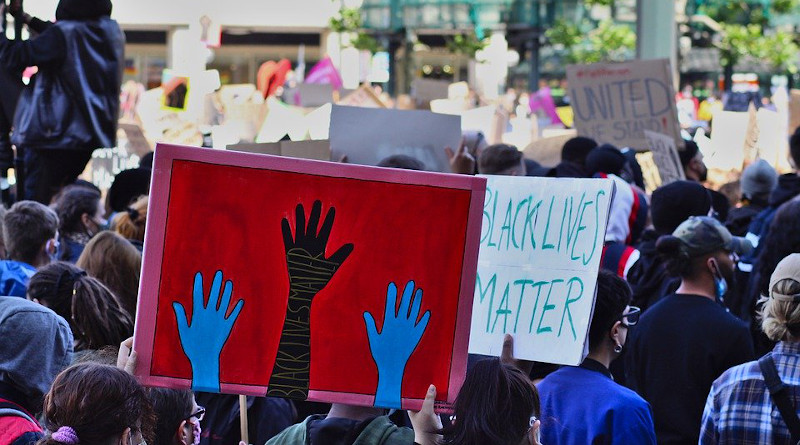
305, 252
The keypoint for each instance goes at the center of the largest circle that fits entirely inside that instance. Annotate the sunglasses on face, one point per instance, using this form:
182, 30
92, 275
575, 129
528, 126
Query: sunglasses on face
197, 415
631, 317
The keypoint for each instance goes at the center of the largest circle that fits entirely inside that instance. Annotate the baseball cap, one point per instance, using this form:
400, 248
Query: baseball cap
788, 268
704, 234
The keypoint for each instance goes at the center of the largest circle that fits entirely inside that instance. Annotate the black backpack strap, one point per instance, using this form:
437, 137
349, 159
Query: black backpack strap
780, 395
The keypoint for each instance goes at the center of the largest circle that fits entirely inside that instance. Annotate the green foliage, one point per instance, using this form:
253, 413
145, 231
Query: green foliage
746, 11
607, 42
598, 2
347, 20
467, 44
781, 51
365, 42
778, 48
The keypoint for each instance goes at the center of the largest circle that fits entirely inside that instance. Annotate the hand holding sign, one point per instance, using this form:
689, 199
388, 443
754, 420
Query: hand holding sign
202, 339
309, 272
392, 347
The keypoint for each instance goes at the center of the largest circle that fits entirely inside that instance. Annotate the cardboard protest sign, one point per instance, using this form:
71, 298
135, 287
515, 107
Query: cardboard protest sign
367, 135
426, 90
794, 110
615, 102
314, 95
665, 157
138, 143
540, 248
317, 150
364, 97
547, 151
306, 280
652, 179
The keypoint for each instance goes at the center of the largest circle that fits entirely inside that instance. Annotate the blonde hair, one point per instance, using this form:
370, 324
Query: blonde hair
780, 318
130, 223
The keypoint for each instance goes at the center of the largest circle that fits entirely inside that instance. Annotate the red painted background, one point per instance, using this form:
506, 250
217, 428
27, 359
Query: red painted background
229, 218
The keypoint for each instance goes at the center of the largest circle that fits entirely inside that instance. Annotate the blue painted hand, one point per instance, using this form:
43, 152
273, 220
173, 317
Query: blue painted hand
202, 339
392, 347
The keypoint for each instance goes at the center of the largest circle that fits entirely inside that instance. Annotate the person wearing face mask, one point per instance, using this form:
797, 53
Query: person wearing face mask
80, 211
688, 339
30, 231
583, 404
697, 171
177, 416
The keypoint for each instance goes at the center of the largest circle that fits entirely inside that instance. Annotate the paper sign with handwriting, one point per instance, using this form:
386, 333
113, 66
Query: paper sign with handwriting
665, 156
615, 102
540, 248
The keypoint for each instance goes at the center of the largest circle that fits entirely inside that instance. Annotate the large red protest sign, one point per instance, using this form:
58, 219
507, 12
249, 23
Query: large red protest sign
304, 279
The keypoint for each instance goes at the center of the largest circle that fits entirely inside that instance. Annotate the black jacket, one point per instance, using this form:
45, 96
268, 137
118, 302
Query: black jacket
73, 102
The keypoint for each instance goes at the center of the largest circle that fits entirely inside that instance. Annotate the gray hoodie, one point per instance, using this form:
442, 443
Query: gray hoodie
35, 345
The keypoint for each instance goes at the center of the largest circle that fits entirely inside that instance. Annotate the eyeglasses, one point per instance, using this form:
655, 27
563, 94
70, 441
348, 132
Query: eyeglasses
631, 317
198, 415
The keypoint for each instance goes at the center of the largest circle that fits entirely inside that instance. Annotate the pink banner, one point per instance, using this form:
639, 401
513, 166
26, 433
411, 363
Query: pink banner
543, 100
325, 72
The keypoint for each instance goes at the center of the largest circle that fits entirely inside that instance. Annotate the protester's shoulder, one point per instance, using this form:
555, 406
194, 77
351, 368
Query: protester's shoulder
382, 431
294, 435
737, 377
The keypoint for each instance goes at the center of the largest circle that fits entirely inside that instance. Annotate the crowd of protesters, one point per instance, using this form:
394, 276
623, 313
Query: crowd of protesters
695, 334
684, 307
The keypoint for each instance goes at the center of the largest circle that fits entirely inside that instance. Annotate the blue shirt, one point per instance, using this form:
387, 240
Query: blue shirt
583, 405
739, 409
14, 278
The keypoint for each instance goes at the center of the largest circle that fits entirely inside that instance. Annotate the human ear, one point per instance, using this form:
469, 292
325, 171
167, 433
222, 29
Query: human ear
125, 438
181, 434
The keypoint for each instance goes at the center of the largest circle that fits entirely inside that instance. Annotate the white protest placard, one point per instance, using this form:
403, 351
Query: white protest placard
728, 136
615, 102
540, 248
368, 135
665, 156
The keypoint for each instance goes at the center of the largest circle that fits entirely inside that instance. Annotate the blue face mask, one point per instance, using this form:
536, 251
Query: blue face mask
721, 287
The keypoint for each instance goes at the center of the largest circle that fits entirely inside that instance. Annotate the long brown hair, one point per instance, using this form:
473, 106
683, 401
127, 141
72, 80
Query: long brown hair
98, 402
94, 314
494, 406
130, 223
116, 263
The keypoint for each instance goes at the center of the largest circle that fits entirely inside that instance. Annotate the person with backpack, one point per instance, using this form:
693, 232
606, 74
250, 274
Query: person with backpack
756, 402
35, 345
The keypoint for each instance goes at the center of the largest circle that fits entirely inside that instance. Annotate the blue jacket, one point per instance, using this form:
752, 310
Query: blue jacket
14, 278
583, 405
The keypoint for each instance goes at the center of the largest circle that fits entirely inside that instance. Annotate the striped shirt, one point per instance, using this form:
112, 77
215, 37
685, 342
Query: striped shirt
739, 409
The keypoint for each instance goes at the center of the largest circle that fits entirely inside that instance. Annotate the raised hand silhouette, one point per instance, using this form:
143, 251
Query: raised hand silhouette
203, 338
393, 345
309, 272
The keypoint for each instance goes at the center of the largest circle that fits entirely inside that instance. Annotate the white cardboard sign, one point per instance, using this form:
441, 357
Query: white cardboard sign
540, 248
368, 135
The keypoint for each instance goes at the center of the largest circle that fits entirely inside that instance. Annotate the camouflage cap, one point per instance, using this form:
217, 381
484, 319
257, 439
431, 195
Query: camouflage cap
704, 234
788, 268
